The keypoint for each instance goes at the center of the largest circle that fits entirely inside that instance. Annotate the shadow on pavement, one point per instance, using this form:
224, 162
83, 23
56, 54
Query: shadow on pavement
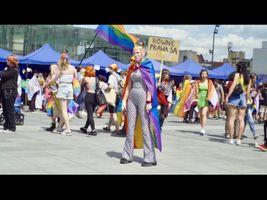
251, 145
217, 136
186, 131
118, 156
179, 122
217, 140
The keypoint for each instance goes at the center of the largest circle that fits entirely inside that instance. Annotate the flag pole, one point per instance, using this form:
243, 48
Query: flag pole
86, 50
161, 65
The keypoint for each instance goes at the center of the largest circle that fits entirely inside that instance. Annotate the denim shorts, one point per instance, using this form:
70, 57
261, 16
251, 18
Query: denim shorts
238, 100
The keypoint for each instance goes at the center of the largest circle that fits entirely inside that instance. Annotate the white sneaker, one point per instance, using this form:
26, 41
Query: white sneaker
202, 132
231, 141
238, 142
66, 133
71, 116
58, 130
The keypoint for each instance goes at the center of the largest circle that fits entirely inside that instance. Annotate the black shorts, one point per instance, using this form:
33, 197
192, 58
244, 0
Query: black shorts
164, 110
112, 109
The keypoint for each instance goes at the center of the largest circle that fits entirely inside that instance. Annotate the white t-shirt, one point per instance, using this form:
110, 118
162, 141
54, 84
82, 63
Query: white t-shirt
113, 81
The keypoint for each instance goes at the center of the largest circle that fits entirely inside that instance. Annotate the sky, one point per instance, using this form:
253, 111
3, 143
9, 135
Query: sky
199, 37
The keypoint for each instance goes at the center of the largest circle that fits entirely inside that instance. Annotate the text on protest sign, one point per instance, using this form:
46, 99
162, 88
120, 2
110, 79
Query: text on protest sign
163, 49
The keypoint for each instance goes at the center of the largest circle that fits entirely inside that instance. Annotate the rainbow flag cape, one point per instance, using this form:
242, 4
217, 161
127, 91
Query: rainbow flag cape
116, 35
148, 75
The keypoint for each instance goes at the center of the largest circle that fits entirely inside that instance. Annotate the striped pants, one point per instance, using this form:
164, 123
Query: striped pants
136, 107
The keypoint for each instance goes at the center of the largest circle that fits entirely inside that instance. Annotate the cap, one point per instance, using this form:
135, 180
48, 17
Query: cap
114, 67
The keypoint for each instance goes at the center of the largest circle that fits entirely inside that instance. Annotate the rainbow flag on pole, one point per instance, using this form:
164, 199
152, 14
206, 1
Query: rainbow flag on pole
116, 35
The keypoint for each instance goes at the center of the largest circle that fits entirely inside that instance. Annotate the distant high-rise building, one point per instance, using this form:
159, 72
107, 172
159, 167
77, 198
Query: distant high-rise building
235, 57
187, 54
259, 64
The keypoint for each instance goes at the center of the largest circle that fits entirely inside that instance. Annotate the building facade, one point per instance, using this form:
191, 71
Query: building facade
24, 39
235, 57
259, 64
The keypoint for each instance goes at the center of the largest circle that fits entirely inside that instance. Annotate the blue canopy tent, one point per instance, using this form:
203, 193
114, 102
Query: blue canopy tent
261, 78
45, 55
3, 55
173, 72
103, 60
189, 67
156, 64
225, 70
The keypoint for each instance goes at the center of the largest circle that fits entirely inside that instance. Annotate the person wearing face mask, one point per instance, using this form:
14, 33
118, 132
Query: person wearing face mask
140, 106
9, 78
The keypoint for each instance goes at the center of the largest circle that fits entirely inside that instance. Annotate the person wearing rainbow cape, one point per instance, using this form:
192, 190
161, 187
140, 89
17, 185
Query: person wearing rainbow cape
140, 106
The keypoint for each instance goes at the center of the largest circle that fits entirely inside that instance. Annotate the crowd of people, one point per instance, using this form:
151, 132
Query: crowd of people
137, 101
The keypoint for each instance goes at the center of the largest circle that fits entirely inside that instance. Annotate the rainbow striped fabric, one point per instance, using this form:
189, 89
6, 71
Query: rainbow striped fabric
49, 108
116, 35
76, 87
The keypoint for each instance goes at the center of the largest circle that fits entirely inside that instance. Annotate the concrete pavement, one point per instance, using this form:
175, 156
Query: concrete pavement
31, 150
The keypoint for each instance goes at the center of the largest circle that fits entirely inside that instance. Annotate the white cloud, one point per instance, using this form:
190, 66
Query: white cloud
199, 37
160, 31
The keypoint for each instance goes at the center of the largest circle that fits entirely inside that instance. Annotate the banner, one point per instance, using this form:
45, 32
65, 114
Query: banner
163, 49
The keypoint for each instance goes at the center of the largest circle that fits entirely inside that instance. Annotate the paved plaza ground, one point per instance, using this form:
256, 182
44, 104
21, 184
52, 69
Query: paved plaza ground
31, 150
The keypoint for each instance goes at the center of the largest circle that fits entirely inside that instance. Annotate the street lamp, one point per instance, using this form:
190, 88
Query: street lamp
216, 29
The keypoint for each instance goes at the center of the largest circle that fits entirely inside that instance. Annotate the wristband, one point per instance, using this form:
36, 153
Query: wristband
148, 101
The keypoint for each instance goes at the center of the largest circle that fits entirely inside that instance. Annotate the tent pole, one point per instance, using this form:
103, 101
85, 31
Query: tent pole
86, 50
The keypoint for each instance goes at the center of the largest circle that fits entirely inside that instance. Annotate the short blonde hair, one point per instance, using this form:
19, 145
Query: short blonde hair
82, 71
140, 45
187, 77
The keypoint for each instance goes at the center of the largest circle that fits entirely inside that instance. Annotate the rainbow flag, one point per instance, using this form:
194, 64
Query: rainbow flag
116, 35
76, 87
